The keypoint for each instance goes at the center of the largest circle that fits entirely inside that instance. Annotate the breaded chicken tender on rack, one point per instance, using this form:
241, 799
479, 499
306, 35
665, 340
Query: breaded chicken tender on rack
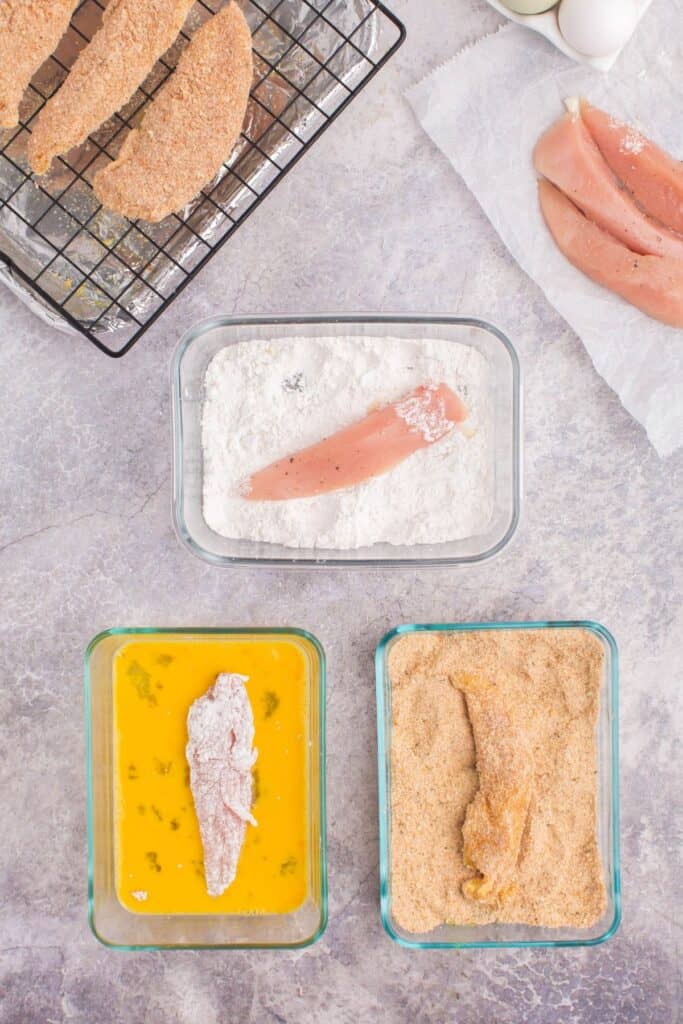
125, 48
189, 129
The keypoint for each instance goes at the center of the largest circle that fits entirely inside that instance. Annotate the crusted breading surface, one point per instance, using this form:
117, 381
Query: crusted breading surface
496, 818
493, 778
132, 37
29, 32
189, 129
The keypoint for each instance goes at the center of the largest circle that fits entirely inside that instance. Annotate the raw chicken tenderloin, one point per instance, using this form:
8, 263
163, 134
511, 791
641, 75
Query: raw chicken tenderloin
220, 729
654, 284
29, 32
567, 156
132, 37
654, 179
372, 446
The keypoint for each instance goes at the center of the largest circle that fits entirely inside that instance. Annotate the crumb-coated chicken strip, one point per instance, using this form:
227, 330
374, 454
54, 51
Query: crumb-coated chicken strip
495, 820
130, 40
189, 129
29, 32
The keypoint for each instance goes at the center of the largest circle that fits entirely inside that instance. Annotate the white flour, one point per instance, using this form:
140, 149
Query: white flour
265, 400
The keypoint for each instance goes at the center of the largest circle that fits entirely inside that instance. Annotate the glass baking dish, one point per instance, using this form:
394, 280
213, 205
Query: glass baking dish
118, 927
508, 935
196, 350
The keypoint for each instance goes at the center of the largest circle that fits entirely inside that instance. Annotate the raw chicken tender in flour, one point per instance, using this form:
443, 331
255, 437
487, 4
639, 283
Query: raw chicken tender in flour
372, 446
375, 450
220, 728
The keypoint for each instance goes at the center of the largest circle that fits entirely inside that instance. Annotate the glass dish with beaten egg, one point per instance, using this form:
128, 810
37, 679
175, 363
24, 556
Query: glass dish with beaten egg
146, 885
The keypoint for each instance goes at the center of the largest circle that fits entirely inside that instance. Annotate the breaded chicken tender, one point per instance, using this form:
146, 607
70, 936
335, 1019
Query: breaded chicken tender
29, 32
189, 129
132, 37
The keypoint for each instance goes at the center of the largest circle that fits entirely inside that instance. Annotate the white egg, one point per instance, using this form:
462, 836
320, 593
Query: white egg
597, 28
530, 6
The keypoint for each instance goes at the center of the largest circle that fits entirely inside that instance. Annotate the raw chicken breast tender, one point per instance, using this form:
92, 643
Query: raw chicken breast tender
220, 728
567, 156
368, 448
654, 284
654, 179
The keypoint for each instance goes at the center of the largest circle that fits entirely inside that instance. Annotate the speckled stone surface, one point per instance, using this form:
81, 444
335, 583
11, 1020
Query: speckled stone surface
86, 542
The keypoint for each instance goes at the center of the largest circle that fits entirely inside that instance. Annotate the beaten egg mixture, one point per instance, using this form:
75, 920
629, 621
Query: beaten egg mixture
159, 867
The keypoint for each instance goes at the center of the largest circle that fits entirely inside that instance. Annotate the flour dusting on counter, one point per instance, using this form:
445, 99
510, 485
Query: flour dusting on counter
265, 400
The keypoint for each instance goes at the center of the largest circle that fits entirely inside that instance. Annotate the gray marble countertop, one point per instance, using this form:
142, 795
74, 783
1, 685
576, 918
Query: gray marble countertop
86, 542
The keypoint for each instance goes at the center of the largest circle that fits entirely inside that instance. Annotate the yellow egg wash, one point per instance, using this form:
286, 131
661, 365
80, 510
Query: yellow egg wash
159, 867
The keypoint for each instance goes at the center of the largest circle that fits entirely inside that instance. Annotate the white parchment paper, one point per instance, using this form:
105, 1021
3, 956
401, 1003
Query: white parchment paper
487, 107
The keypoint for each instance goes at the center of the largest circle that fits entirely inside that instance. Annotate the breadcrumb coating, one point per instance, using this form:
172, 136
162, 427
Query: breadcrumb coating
189, 129
29, 32
132, 37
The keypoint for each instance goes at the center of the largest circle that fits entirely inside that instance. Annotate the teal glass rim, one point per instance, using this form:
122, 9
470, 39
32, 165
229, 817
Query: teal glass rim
142, 631
383, 774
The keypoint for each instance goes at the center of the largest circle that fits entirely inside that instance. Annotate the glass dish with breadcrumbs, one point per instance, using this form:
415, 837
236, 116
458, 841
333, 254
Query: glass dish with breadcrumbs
498, 784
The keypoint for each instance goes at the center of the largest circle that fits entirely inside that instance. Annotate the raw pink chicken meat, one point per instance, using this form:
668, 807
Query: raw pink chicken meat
220, 728
653, 284
568, 157
654, 179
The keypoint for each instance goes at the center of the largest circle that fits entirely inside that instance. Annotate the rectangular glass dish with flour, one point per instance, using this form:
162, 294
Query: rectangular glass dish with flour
419, 417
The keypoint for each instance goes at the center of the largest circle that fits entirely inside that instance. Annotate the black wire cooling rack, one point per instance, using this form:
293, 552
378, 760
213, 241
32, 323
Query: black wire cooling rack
109, 278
